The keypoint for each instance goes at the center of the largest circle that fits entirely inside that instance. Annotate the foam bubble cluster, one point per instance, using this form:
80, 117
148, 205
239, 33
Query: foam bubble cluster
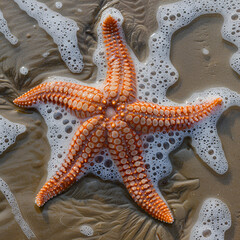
5, 30
8, 133
86, 230
213, 221
157, 74
63, 31
61, 128
15, 209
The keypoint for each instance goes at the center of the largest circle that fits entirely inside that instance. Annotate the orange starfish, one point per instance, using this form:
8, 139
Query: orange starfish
114, 118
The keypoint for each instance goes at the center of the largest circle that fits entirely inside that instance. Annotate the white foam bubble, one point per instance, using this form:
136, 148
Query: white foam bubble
61, 128
205, 51
213, 221
86, 230
58, 5
15, 209
23, 70
46, 54
63, 31
8, 133
5, 30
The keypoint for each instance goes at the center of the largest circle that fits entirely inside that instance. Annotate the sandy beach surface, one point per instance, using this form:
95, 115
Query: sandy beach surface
201, 58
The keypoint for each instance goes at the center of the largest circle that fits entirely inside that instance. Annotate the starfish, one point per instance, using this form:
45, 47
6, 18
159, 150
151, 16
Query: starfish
113, 117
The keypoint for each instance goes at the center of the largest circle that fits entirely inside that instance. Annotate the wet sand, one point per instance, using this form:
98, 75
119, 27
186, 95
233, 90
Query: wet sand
106, 206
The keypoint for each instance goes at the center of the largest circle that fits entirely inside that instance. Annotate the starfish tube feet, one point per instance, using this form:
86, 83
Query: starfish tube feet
148, 117
125, 149
86, 143
84, 101
120, 83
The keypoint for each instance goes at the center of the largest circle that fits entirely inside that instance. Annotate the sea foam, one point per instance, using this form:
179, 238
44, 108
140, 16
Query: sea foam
86, 230
62, 29
213, 221
6, 31
8, 133
15, 210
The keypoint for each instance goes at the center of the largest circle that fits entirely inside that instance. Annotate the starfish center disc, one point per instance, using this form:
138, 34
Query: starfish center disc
110, 112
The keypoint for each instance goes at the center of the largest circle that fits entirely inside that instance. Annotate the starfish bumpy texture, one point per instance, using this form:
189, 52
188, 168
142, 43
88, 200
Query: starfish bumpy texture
113, 118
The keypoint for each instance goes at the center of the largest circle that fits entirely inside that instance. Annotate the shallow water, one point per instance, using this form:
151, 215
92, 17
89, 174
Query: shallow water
106, 206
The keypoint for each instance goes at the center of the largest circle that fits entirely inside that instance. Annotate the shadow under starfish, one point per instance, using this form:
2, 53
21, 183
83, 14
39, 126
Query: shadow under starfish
113, 118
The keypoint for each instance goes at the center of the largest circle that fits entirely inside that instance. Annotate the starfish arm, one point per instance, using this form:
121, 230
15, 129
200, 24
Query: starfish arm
148, 117
125, 149
86, 143
120, 83
84, 101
